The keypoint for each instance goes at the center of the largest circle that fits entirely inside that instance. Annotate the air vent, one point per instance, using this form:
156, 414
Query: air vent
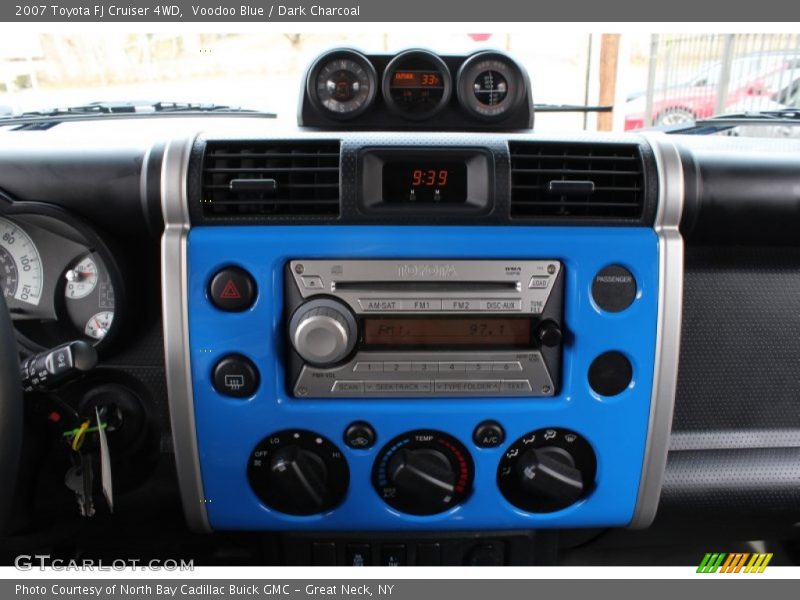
271, 179
590, 181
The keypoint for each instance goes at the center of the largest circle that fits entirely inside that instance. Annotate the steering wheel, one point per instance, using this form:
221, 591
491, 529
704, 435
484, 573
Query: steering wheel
10, 414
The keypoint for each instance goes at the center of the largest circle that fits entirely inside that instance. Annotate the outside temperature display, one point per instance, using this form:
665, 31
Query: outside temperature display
417, 79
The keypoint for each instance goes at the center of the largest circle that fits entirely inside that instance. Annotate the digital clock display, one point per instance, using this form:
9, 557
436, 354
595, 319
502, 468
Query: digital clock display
448, 332
425, 182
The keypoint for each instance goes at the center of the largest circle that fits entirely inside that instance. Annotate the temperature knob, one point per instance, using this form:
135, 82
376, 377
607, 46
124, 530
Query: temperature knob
423, 472
323, 331
298, 472
547, 470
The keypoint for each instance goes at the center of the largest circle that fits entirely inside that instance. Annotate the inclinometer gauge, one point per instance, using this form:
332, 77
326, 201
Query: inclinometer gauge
490, 86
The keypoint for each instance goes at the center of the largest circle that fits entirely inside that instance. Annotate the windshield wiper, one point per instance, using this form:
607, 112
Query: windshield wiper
131, 109
570, 108
783, 116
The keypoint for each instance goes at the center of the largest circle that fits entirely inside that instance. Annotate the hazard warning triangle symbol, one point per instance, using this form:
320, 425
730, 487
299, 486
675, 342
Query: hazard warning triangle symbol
230, 291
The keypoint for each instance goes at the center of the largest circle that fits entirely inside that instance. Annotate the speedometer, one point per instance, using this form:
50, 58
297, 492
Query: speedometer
20, 266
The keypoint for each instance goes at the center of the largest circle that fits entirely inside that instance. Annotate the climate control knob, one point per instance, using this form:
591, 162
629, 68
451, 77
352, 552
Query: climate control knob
323, 331
423, 472
547, 470
298, 472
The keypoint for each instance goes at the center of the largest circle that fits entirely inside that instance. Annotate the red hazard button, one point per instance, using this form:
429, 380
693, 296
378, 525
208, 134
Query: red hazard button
232, 289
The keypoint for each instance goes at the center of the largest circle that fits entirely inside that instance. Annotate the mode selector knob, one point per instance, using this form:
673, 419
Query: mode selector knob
323, 331
547, 470
550, 471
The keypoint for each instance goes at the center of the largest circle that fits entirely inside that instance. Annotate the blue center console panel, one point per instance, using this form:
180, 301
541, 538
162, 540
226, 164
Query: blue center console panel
586, 439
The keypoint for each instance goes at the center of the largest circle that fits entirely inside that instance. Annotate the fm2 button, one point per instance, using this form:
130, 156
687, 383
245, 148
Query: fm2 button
614, 288
488, 434
236, 376
232, 289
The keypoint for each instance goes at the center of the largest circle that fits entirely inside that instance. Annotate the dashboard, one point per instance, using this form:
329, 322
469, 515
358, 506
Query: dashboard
413, 320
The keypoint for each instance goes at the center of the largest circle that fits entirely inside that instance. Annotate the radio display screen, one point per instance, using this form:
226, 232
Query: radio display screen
448, 332
425, 182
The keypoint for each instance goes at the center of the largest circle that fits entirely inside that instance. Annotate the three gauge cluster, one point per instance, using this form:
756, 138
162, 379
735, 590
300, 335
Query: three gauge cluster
486, 90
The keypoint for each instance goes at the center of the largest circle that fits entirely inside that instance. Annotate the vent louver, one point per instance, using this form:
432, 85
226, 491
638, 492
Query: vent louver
576, 180
271, 179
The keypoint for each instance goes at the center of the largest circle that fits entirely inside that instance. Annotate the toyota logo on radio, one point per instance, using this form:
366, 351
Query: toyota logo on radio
413, 270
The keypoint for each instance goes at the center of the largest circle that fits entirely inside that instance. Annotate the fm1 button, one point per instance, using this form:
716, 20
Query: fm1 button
614, 288
232, 289
359, 435
236, 376
488, 434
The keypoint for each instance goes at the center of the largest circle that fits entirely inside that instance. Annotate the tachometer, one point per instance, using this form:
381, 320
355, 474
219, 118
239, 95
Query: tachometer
490, 86
20, 265
342, 84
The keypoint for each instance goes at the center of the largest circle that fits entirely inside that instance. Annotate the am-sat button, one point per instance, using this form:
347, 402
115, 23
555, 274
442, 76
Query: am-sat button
380, 304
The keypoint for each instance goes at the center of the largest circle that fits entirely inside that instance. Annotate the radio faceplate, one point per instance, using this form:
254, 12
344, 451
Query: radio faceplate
430, 328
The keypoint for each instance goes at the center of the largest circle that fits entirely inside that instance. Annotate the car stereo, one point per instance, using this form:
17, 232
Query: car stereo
430, 328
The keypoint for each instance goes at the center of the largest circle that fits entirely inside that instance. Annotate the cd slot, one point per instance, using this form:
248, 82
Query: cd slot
427, 286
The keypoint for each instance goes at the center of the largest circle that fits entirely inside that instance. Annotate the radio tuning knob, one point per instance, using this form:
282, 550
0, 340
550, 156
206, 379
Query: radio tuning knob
549, 333
550, 472
323, 331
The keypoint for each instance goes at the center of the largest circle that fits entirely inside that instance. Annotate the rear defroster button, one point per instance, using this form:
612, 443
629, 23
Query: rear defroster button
236, 376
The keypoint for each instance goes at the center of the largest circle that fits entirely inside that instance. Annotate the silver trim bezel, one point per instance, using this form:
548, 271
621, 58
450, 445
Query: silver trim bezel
668, 332
174, 204
175, 311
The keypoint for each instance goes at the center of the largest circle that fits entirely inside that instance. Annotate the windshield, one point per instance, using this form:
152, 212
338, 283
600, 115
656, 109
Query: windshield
628, 81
